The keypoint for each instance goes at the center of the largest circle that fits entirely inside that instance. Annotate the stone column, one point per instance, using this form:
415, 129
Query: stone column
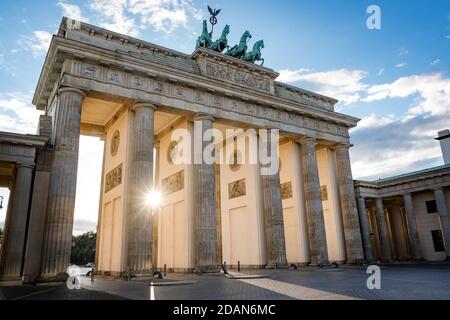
63, 182
334, 202
313, 203
382, 229
365, 229
140, 226
444, 215
38, 210
204, 198
14, 246
273, 213
352, 232
416, 251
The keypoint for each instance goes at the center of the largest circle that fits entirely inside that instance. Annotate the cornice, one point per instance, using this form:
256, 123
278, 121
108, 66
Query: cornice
23, 139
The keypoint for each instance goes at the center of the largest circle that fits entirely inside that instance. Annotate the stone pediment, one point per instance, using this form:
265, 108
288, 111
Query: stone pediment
234, 71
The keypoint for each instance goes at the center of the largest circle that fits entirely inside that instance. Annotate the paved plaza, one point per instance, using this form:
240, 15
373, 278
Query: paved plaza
347, 283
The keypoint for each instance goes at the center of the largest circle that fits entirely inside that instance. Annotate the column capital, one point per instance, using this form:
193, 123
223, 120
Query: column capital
72, 90
435, 189
25, 165
306, 139
407, 194
341, 146
143, 105
203, 116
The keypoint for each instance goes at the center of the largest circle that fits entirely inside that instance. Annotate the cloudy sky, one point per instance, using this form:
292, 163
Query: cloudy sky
395, 79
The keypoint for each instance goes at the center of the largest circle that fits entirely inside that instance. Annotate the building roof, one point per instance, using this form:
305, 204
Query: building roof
414, 173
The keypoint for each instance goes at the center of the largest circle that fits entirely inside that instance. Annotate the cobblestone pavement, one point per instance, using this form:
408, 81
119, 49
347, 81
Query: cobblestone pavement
52, 292
397, 282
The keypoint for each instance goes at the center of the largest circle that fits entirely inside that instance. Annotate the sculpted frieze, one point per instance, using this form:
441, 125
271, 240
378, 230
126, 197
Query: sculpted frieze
173, 183
237, 76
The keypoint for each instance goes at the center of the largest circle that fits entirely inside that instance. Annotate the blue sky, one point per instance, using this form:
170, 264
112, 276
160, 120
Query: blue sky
395, 79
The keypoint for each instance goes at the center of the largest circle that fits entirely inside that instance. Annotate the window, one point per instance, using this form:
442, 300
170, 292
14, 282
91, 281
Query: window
431, 206
438, 241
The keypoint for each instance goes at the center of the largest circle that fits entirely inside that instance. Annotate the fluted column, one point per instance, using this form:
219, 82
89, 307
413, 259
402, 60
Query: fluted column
365, 229
140, 225
14, 246
273, 213
350, 219
313, 203
63, 182
382, 229
416, 251
444, 215
204, 198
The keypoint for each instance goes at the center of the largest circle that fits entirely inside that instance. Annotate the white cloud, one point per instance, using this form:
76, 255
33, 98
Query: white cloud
131, 16
373, 121
387, 145
435, 62
401, 65
403, 52
380, 72
71, 11
38, 43
384, 146
433, 92
81, 226
17, 114
343, 84
113, 14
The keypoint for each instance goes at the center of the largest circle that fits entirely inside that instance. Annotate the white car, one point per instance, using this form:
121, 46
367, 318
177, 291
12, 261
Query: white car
80, 270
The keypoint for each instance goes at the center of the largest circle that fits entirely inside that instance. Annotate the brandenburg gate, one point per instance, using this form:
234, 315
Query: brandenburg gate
134, 95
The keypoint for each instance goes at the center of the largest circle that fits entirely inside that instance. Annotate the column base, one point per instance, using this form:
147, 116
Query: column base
208, 269
10, 283
320, 265
11, 278
59, 278
356, 262
276, 265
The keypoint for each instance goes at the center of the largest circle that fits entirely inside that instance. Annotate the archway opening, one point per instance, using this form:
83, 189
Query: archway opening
4, 199
84, 235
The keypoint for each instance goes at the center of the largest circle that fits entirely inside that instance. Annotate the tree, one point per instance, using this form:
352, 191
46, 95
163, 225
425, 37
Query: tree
83, 248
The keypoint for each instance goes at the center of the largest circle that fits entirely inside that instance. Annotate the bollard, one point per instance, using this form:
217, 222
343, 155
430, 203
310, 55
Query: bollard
276, 265
165, 270
239, 266
224, 267
92, 274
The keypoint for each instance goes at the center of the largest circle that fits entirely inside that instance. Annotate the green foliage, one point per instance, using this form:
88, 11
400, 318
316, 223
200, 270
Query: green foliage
83, 248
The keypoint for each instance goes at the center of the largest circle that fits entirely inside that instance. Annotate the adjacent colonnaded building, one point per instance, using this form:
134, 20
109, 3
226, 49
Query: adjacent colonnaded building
133, 95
